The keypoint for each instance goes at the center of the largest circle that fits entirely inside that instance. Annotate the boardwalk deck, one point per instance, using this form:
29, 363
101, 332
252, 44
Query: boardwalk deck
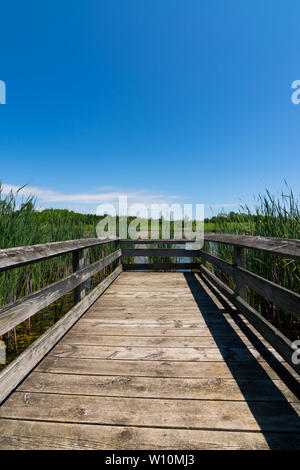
158, 362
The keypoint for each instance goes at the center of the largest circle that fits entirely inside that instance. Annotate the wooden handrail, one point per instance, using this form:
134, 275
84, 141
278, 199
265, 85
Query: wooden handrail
275, 246
13, 314
273, 293
20, 256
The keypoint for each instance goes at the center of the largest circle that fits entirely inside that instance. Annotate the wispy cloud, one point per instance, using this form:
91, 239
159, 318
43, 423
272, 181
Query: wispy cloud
88, 201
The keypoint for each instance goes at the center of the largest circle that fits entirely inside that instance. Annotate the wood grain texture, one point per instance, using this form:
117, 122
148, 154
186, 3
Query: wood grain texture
190, 354
208, 414
157, 387
28, 435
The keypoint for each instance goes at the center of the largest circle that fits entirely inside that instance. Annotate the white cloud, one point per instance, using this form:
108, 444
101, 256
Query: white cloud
87, 202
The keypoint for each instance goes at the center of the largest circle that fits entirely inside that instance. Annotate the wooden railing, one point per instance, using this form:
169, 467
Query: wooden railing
13, 314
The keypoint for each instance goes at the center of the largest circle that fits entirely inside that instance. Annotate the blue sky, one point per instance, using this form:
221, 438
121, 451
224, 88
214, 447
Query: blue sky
176, 101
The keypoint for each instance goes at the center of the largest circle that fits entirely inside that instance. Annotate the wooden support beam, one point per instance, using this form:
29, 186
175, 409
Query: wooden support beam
240, 262
78, 264
159, 266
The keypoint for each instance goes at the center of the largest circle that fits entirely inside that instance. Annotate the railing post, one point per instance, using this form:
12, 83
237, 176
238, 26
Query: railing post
117, 247
78, 263
240, 261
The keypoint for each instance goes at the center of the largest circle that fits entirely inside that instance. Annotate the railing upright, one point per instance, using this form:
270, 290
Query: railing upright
239, 258
78, 263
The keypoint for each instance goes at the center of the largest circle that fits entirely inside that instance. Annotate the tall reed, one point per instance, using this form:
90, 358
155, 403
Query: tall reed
275, 216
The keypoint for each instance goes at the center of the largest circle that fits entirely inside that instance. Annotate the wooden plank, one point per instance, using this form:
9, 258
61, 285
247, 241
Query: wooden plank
181, 320
161, 341
93, 327
183, 388
273, 293
180, 324
28, 435
20, 367
275, 246
189, 414
276, 339
160, 252
243, 370
210, 354
166, 266
22, 255
13, 314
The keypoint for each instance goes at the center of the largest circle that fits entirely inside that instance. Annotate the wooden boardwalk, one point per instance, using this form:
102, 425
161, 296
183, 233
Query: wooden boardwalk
159, 361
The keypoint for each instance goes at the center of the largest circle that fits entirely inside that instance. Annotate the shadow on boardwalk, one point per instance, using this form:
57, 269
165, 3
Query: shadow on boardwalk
261, 408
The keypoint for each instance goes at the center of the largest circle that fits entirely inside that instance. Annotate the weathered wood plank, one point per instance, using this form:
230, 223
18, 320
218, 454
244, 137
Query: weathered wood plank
164, 323
209, 414
212, 354
161, 341
243, 370
275, 246
184, 388
22, 255
93, 327
166, 266
19, 368
160, 252
13, 314
27, 435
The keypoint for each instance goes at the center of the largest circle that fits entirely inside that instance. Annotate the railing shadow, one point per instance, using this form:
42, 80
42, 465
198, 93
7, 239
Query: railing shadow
281, 418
